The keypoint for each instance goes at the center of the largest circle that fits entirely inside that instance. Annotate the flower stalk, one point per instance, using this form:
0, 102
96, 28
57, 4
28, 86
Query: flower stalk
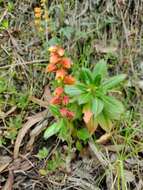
60, 65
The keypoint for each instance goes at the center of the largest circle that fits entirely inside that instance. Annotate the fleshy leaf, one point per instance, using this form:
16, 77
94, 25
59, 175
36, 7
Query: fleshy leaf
97, 106
84, 98
87, 115
113, 107
86, 76
97, 80
92, 125
113, 81
81, 86
89, 119
104, 122
73, 90
100, 69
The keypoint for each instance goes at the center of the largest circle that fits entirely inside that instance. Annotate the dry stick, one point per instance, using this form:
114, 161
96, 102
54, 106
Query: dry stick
9, 183
4, 115
24, 63
31, 121
40, 102
34, 133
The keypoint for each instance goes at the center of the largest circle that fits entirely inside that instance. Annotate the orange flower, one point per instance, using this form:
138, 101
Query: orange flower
56, 49
69, 80
52, 49
58, 91
60, 74
60, 51
66, 113
54, 58
51, 68
66, 62
37, 15
37, 11
65, 100
56, 100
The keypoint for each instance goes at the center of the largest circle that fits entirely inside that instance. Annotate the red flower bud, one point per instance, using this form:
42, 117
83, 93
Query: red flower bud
56, 100
66, 113
65, 100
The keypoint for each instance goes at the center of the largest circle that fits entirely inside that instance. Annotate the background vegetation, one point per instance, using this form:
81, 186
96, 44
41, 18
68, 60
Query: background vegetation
89, 30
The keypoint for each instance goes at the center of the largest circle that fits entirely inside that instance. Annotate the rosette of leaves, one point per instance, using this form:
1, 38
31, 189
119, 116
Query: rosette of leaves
93, 96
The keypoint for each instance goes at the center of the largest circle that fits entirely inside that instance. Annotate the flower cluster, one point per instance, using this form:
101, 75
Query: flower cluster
37, 13
41, 16
59, 64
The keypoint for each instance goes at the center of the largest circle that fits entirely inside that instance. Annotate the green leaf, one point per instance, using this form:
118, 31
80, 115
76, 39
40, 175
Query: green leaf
55, 162
79, 145
113, 81
104, 122
55, 110
67, 31
53, 41
43, 153
13, 125
97, 106
86, 75
97, 80
52, 130
2, 85
83, 134
100, 69
5, 24
74, 107
81, 86
64, 133
73, 90
22, 100
84, 98
113, 107
10, 6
